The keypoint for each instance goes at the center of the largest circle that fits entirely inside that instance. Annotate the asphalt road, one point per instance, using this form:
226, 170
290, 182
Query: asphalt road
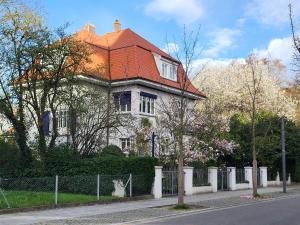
275, 212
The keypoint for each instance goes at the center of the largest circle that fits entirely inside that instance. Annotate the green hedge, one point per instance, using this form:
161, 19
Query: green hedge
78, 175
296, 174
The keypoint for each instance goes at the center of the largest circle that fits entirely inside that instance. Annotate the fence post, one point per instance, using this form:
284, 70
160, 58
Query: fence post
130, 185
188, 180
157, 186
231, 178
98, 187
56, 189
248, 175
277, 179
289, 181
213, 178
263, 176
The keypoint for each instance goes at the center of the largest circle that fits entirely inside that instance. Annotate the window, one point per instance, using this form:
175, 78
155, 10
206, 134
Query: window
172, 72
62, 118
147, 103
168, 71
164, 70
125, 143
123, 101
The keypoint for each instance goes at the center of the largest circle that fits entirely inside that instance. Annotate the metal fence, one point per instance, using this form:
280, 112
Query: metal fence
240, 176
272, 175
200, 177
29, 192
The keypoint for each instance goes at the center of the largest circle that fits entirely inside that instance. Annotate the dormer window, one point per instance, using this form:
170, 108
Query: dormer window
168, 70
164, 70
172, 72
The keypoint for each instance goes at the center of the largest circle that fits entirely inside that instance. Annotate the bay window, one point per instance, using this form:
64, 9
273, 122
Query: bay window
147, 103
123, 101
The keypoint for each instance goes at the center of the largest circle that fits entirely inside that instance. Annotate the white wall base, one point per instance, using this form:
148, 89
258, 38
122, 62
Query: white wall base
202, 189
242, 186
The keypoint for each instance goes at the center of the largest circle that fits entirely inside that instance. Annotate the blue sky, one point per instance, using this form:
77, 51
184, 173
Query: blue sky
229, 29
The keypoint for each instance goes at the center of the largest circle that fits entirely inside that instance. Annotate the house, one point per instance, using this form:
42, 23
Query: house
143, 73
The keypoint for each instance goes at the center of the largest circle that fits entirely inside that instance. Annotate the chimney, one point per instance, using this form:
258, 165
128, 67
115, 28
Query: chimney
117, 26
90, 28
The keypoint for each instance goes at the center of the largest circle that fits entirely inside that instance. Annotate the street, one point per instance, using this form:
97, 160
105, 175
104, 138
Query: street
277, 212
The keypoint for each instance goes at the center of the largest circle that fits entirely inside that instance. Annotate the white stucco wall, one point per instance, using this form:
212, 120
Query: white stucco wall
123, 132
5, 125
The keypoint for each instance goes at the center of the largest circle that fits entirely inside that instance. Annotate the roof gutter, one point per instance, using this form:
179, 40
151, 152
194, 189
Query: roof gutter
142, 82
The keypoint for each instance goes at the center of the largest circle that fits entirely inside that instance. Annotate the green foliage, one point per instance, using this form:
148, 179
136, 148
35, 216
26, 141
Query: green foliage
296, 174
78, 175
181, 207
112, 150
267, 142
25, 199
10, 156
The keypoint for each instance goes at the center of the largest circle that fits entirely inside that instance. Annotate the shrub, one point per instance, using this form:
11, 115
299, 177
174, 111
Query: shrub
112, 150
10, 156
80, 175
296, 175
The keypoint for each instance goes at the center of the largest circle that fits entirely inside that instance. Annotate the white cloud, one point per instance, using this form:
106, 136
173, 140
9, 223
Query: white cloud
171, 47
201, 64
279, 48
272, 12
222, 40
182, 11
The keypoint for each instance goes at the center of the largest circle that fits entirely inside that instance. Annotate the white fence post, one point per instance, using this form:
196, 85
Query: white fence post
157, 186
263, 176
188, 180
56, 189
213, 178
231, 178
278, 179
248, 175
98, 187
289, 181
130, 185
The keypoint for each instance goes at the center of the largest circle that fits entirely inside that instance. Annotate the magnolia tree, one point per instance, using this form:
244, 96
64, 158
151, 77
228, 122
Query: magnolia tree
201, 141
248, 86
226, 89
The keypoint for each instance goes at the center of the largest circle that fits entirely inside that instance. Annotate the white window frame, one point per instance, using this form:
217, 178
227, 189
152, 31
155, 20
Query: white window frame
148, 102
169, 70
128, 143
126, 105
62, 116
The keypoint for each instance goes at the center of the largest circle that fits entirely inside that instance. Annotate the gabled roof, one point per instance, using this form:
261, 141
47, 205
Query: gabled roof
130, 57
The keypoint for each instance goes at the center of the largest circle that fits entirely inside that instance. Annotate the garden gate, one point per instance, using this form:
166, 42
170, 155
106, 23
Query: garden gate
169, 182
223, 179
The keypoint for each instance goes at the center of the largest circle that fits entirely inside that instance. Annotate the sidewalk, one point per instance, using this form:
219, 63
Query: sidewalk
98, 210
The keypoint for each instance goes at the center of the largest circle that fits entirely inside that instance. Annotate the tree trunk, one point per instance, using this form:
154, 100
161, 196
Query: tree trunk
180, 181
253, 143
21, 139
108, 99
42, 145
180, 170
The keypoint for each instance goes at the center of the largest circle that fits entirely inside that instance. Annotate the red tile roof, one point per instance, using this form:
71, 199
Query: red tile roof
130, 57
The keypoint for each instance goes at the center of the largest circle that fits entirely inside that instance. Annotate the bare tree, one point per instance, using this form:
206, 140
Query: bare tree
19, 30
35, 62
176, 113
296, 44
254, 71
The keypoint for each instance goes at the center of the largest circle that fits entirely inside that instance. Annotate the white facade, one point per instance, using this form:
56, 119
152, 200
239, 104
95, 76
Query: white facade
5, 125
124, 137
